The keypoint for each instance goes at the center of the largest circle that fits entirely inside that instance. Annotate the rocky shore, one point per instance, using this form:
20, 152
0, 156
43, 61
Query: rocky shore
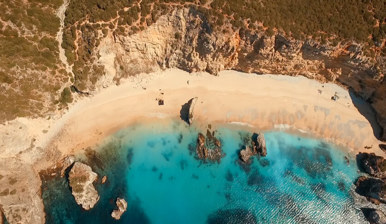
209, 147
372, 187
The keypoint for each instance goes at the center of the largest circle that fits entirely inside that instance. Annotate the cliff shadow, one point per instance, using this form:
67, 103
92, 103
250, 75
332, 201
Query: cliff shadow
367, 111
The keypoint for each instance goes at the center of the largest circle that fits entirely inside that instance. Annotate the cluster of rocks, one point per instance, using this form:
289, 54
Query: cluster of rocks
257, 147
81, 179
209, 147
373, 187
121, 208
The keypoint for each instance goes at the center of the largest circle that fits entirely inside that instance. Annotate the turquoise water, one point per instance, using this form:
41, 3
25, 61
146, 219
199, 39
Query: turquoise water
154, 168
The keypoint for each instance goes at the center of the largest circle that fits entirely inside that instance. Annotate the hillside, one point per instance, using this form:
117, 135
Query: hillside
327, 40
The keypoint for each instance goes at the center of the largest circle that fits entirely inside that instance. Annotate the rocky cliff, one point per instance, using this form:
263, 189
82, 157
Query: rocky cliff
185, 39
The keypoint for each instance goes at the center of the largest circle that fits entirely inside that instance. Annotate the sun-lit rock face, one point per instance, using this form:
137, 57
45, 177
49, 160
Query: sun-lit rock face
81, 179
185, 39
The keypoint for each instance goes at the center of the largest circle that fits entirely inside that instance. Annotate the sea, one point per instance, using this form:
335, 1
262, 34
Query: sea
153, 166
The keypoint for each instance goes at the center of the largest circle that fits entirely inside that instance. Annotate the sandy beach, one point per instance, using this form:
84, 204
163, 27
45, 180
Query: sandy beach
261, 102
245, 101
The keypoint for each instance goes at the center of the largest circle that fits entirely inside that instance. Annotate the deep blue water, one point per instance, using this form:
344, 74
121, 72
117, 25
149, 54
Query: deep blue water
154, 168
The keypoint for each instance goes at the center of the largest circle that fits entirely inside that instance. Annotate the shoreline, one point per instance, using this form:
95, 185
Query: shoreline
250, 101
270, 102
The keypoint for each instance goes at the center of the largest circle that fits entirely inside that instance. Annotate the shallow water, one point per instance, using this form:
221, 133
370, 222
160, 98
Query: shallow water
154, 168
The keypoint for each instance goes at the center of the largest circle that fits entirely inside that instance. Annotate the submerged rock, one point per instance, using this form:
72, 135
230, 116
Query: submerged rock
208, 147
104, 179
373, 189
232, 216
374, 216
121, 208
257, 147
372, 164
81, 178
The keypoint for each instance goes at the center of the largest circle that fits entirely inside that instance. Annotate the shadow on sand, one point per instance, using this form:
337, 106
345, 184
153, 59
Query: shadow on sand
368, 112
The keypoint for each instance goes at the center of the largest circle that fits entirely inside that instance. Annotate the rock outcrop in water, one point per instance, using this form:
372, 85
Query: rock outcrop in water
374, 216
256, 147
209, 147
81, 178
372, 164
121, 208
373, 189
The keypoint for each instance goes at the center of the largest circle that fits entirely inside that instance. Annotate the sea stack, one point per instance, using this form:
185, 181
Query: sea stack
208, 147
256, 147
121, 208
81, 178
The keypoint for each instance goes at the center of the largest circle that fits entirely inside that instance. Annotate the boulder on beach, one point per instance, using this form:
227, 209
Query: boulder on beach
81, 178
187, 110
121, 208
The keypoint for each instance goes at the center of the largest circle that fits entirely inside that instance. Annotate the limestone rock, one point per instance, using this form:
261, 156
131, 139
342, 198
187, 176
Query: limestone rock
245, 154
209, 147
121, 208
258, 143
81, 178
104, 179
256, 147
372, 164
186, 112
192, 103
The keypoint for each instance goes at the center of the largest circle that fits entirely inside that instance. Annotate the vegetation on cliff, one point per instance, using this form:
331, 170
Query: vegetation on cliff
31, 74
32, 77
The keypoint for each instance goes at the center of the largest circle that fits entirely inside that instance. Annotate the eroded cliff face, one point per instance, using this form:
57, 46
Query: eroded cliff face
184, 39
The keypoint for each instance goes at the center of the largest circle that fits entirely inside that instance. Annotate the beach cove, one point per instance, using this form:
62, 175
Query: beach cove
260, 102
249, 102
